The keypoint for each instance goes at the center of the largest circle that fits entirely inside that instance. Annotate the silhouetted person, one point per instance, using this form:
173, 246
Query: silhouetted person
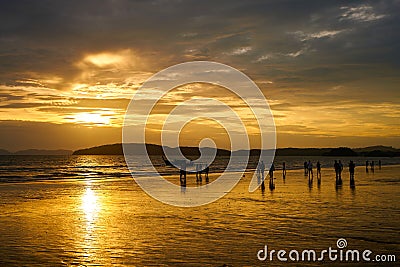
258, 174
182, 174
262, 169
201, 172
271, 177
366, 165
284, 170
336, 167
271, 171
182, 177
337, 170
305, 168
318, 170
197, 172
372, 166
352, 167
207, 170
380, 164
310, 170
340, 170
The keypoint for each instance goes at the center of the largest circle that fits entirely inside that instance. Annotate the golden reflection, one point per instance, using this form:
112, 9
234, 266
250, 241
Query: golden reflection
90, 205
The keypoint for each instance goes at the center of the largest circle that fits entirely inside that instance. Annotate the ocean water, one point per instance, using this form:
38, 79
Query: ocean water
88, 211
45, 168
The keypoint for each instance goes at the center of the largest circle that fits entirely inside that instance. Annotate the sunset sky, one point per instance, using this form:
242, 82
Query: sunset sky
329, 69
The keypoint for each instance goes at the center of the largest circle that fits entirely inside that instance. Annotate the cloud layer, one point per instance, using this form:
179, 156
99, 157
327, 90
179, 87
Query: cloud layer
330, 69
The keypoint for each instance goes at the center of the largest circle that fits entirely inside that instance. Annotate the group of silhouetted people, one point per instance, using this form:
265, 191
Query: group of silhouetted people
372, 165
260, 175
308, 171
200, 169
338, 167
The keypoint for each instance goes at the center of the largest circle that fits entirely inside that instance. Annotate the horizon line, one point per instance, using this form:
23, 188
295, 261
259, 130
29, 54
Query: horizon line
290, 147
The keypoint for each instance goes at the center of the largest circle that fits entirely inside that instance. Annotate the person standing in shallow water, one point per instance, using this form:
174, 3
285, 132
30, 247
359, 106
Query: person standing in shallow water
336, 166
284, 170
271, 177
352, 167
207, 170
305, 168
372, 166
340, 170
262, 169
366, 165
318, 170
182, 174
380, 164
310, 170
271, 171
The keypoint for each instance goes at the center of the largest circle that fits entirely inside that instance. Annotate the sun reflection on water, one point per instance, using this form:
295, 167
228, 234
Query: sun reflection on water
90, 205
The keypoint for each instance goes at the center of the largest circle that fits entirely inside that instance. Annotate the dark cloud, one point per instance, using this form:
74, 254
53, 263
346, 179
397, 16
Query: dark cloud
7, 97
54, 33
310, 52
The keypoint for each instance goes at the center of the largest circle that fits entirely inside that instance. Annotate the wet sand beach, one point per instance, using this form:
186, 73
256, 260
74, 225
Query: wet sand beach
103, 222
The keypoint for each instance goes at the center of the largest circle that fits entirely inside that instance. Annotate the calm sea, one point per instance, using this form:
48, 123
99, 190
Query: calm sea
88, 211
35, 168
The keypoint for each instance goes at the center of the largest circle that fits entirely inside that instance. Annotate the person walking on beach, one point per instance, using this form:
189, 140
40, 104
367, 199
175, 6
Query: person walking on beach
271, 171
337, 167
271, 177
310, 170
340, 170
262, 169
200, 172
284, 170
372, 166
318, 170
352, 167
305, 168
197, 172
207, 170
182, 174
366, 165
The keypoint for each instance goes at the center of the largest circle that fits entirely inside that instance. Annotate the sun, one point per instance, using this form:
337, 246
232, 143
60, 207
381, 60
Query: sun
91, 118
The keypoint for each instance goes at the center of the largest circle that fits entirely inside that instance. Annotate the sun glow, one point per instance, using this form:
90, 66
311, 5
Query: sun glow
91, 118
107, 59
104, 59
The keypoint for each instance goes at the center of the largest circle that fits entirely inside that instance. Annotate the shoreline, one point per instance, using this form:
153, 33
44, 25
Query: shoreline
190, 176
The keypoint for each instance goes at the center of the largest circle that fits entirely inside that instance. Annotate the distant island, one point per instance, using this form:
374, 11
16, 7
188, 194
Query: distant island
152, 149
157, 150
